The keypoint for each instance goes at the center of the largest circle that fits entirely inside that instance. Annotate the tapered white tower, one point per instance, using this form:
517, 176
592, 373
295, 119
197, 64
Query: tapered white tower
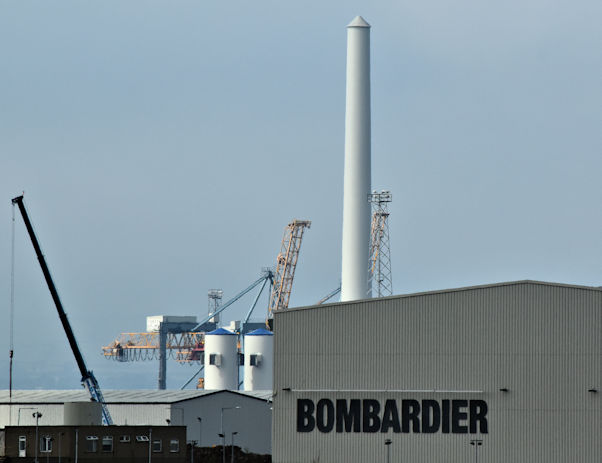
356, 208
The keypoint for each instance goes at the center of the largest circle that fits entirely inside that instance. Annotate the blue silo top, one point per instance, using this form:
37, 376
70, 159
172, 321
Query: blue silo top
221, 332
260, 332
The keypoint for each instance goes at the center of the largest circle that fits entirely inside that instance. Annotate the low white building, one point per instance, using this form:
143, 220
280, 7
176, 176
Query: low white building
206, 414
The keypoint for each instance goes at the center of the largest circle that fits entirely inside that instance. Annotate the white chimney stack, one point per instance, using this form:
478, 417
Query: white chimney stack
356, 208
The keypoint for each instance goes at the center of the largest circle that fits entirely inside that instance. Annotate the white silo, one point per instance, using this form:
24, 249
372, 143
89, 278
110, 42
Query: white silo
221, 360
259, 360
356, 209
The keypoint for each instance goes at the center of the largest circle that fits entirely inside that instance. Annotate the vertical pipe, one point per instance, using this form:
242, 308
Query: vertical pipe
357, 175
162, 356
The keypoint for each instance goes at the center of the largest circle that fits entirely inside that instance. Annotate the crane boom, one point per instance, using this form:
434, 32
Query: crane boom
88, 379
286, 264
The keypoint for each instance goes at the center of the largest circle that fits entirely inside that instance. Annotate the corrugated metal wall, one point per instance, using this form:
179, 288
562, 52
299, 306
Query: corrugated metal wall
542, 342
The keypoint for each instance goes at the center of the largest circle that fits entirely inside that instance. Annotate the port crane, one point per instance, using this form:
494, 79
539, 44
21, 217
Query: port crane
88, 379
184, 343
188, 346
286, 264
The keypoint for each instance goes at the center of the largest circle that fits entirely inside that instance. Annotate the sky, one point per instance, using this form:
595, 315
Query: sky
163, 146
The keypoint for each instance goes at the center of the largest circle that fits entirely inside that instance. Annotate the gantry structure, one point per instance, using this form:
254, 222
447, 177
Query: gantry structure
380, 280
134, 347
185, 342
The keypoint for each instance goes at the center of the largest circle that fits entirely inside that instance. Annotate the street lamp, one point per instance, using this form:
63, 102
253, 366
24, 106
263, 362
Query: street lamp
223, 446
150, 444
60, 435
200, 429
234, 433
388, 443
221, 430
192, 442
476, 443
37, 415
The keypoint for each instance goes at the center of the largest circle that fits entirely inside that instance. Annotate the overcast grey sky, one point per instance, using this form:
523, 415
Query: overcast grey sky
163, 146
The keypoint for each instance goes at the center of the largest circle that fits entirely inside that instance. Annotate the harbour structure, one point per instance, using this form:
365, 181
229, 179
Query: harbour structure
509, 370
204, 413
183, 338
286, 263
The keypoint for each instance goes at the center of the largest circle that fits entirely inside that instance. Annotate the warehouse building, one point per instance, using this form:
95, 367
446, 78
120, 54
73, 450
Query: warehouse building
204, 413
508, 372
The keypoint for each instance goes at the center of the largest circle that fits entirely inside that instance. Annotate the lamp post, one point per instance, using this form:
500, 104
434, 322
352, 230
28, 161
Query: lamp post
388, 443
60, 435
192, 442
37, 415
223, 446
476, 443
234, 433
150, 444
221, 430
200, 429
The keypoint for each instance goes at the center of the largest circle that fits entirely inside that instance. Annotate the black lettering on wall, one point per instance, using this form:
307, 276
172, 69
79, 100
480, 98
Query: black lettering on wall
445, 416
427, 416
390, 417
458, 416
431, 416
349, 418
478, 410
325, 415
410, 411
305, 418
370, 419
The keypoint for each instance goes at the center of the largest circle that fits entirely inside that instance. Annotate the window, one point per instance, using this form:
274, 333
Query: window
46, 444
215, 359
125, 438
141, 438
174, 445
157, 445
91, 444
255, 360
107, 443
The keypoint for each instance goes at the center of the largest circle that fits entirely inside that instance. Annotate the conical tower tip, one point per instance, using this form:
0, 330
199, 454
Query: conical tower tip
358, 21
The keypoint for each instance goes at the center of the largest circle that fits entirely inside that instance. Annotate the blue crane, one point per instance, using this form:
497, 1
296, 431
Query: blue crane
88, 379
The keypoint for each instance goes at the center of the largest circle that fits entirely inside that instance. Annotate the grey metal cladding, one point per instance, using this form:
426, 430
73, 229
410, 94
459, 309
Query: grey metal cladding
542, 342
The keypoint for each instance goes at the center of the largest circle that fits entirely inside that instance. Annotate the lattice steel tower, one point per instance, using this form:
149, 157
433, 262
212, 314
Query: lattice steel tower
215, 300
380, 281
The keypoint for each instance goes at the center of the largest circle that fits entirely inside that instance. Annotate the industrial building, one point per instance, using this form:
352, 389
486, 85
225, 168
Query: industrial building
508, 372
206, 414
94, 444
